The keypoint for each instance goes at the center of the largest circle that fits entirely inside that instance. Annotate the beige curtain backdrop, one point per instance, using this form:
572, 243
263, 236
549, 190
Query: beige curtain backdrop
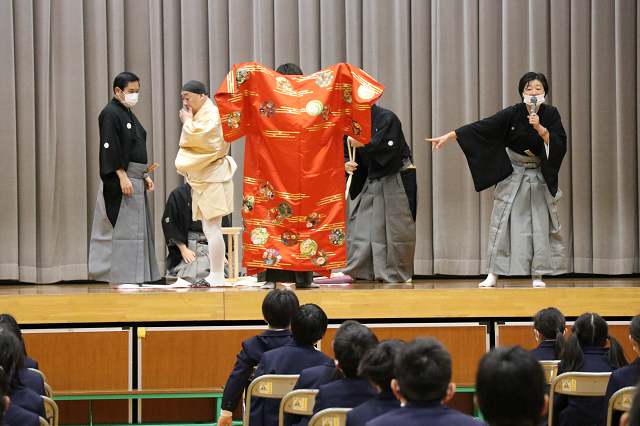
444, 62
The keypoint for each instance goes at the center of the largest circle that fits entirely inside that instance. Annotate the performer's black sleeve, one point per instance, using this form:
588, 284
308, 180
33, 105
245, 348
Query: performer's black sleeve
176, 220
483, 143
550, 167
112, 156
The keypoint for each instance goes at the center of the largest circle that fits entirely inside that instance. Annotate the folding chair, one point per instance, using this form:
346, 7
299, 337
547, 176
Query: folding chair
40, 373
51, 409
268, 386
550, 369
330, 417
298, 402
48, 390
621, 400
578, 384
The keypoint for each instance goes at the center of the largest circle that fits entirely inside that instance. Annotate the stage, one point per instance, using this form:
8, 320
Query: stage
423, 299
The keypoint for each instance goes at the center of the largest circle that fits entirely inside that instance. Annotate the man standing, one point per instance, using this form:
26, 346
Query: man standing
203, 160
122, 240
381, 237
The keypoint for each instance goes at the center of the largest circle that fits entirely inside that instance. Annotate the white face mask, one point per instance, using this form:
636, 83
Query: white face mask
130, 99
527, 99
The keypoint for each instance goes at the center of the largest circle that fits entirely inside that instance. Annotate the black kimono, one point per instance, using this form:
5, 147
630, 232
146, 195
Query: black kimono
381, 234
505, 150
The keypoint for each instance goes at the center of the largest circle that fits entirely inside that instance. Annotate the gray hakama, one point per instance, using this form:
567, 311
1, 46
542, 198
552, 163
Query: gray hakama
524, 238
124, 253
381, 236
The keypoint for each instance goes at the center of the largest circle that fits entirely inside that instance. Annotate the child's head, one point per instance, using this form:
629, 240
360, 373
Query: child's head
423, 370
278, 307
11, 357
308, 324
550, 324
13, 326
591, 330
511, 387
634, 332
378, 362
350, 344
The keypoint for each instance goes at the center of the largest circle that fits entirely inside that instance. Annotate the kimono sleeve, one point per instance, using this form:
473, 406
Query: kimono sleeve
386, 140
360, 92
176, 218
112, 155
233, 100
483, 143
550, 166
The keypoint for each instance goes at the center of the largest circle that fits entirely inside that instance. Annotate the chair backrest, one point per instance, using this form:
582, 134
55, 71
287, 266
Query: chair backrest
330, 417
621, 400
43, 422
268, 386
300, 401
51, 409
48, 390
550, 369
578, 384
40, 373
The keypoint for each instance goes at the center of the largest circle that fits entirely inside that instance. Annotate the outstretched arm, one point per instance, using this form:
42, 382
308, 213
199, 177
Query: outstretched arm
437, 142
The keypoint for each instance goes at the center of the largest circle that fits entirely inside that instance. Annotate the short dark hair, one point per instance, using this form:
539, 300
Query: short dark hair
278, 306
378, 362
13, 326
351, 342
530, 76
510, 387
11, 357
289, 69
550, 323
123, 79
423, 370
634, 328
308, 324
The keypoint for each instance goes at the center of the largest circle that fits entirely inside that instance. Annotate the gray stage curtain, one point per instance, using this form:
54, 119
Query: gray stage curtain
444, 63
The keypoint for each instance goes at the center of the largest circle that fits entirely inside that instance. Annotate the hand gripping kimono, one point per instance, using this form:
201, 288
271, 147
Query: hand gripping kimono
122, 238
381, 237
506, 151
293, 207
203, 160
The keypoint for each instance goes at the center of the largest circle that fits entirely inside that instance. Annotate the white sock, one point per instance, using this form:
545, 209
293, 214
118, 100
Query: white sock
212, 229
537, 281
491, 281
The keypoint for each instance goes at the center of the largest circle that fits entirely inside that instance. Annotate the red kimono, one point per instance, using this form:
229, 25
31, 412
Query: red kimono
293, 207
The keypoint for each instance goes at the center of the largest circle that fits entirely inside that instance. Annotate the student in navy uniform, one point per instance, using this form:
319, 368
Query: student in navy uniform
30, 379
11, 414
548, 326
511, 387
627, 375
278, 307
585, 351
352, 341
308, 325
377, 366
422, 380
8, 319
11, 360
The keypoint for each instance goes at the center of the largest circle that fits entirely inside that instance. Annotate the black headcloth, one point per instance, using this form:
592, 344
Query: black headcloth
195, 86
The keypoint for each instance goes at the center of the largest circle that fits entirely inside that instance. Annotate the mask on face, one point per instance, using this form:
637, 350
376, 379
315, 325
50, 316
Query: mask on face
130, 99
527, 99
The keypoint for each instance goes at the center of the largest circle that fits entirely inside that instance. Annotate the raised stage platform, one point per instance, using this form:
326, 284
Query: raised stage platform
426, 299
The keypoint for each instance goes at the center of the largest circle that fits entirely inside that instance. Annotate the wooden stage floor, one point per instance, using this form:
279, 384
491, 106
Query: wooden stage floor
423, 299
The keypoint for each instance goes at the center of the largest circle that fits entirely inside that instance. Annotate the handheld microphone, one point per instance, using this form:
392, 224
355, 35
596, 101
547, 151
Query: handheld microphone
533, 104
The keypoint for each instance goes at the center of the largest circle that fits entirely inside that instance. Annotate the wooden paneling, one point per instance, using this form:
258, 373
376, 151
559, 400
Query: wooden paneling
83, 360
514, 334
466, 344
184, 358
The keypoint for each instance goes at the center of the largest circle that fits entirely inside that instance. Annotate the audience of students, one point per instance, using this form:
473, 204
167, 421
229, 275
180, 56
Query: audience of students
627, 375
308, 325
11, 361
549, 326
422, 380
377, 366
511, 387
585, 351
278, 307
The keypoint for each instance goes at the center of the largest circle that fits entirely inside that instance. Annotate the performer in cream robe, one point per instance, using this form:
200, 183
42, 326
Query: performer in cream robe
203, 160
